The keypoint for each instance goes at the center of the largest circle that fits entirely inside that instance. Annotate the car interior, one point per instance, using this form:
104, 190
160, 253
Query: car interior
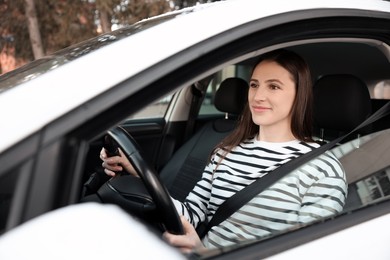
346, 75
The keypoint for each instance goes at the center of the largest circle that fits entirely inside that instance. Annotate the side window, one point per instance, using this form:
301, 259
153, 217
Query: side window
376, 187
381, 90
240, 71
367, 170
155, 110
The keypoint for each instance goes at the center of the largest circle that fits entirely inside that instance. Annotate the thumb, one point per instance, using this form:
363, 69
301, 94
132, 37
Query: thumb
187, 226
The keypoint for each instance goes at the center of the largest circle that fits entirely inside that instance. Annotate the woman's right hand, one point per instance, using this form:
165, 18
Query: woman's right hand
116, 163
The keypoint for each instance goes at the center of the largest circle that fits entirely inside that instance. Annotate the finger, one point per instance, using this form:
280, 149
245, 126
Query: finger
188, 227
186, 250
112, 167
121, 153
103, 154
109, 173
174, 240
183, 242
177, 241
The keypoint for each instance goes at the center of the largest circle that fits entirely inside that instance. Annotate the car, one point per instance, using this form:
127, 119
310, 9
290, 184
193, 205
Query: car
153, 88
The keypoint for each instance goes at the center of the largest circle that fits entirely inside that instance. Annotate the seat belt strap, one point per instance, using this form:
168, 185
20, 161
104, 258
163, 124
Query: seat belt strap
243, 196
195, 104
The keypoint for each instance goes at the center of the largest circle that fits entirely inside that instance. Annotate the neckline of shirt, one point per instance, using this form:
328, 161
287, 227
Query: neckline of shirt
275, 144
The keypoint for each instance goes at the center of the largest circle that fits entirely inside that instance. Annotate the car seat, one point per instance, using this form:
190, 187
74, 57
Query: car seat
191, 158
341, 103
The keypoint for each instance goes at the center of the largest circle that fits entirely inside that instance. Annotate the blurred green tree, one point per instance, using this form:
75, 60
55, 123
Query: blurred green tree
31, 29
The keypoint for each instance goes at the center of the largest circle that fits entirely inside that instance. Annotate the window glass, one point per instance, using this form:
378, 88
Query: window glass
376, 187
155, 110
240, 71
367, 168
381, 90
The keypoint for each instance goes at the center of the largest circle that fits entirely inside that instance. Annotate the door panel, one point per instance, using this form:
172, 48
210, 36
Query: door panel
148, 133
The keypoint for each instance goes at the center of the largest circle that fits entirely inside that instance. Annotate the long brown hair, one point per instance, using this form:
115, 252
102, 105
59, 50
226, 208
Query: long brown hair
301, 111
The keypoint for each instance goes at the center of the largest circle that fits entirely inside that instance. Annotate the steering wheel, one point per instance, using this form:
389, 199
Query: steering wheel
158, 192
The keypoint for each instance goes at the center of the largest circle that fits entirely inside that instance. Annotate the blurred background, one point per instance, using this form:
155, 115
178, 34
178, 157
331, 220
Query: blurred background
31, 29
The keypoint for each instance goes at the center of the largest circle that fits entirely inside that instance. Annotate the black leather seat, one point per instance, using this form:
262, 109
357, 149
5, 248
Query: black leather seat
186, 166
341, 102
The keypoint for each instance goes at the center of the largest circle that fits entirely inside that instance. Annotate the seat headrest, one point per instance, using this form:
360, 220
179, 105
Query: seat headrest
341, 102
231, 96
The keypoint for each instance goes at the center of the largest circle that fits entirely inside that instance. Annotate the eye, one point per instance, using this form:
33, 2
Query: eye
253, 84
274, 86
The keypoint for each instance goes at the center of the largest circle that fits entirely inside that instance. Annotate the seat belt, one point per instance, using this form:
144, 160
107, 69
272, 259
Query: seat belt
197, 95
243, 196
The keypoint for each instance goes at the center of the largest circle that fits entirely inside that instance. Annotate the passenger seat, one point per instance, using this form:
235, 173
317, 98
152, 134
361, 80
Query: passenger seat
341, 103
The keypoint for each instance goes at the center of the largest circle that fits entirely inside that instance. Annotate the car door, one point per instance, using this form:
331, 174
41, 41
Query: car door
151, 127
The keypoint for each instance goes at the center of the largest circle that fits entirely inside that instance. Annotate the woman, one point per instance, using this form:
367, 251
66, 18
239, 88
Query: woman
275, 127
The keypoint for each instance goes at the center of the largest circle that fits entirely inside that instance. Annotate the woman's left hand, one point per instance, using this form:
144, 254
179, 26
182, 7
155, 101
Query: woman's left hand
188, 242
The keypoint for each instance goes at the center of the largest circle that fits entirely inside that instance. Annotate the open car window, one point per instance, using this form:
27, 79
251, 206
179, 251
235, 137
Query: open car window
367, 167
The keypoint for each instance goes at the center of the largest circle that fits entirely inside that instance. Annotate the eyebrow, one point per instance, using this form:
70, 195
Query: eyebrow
268, 81
275, 80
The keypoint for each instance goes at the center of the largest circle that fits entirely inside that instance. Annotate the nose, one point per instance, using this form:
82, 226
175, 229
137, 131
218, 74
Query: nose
258, 94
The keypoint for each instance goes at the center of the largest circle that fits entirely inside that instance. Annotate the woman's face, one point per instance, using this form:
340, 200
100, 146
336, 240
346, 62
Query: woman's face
271, 96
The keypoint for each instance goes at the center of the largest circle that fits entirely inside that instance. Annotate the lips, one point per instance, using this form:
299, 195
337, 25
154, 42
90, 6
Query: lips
259, 109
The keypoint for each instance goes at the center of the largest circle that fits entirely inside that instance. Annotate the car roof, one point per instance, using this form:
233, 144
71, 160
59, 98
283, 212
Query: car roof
53, 94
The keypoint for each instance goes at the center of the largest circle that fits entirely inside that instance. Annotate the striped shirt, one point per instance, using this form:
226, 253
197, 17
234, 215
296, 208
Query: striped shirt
316, 190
